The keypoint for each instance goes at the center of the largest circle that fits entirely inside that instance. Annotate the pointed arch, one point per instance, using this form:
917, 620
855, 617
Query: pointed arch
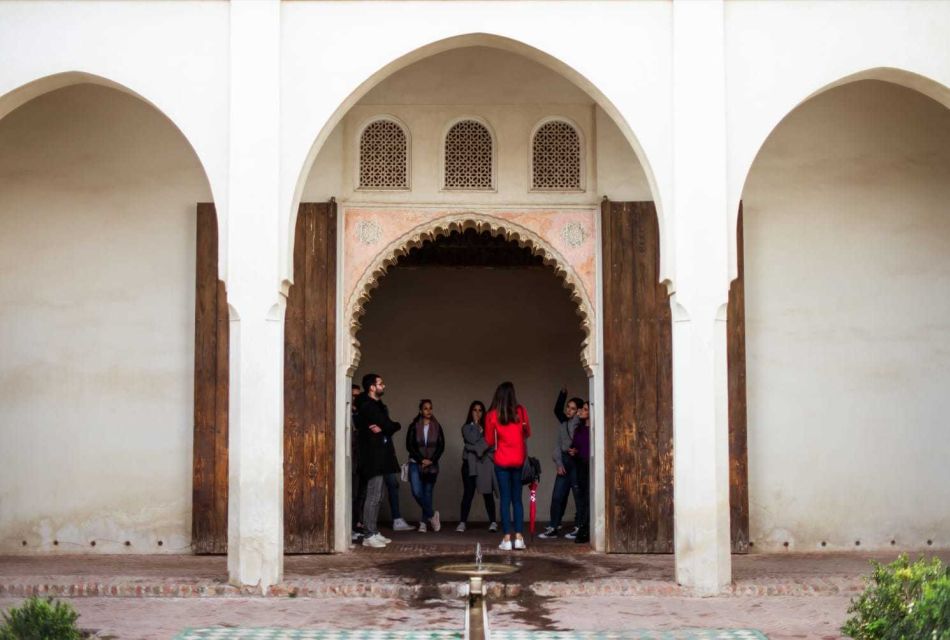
929, 87
291, 201
445, 225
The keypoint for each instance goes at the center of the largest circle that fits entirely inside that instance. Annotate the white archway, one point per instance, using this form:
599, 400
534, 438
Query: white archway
289, 212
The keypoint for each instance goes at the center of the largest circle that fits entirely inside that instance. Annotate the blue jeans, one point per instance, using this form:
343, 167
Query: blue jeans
563, 486
392, 489
509, 486
422, 487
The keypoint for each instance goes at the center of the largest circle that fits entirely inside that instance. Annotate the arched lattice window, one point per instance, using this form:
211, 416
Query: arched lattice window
384, 156
469, 156
556, 157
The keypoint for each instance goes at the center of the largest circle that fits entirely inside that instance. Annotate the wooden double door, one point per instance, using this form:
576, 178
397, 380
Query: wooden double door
638, 387
638, 383
309, 387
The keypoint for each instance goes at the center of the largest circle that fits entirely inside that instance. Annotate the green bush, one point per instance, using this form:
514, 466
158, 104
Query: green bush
40, 619
903, 601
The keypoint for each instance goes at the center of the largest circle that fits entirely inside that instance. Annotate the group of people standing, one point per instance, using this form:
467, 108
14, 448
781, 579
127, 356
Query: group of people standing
493, 460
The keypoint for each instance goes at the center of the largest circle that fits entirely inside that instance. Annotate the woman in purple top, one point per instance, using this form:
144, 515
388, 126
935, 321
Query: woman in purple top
580, 451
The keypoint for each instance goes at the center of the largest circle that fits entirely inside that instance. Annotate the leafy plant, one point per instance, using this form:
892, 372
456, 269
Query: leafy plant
903, 601
40, 619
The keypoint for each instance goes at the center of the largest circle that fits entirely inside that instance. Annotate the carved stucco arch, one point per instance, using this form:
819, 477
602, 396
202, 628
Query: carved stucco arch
445, 225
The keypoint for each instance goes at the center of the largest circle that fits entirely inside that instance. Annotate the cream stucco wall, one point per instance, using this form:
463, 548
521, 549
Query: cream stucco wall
847, 237
97, 260
430, 332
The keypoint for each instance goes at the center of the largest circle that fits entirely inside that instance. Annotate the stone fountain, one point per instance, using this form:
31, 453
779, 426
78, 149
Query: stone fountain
476, 610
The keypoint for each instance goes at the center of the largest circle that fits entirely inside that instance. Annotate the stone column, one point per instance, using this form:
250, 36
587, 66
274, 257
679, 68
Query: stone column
255, 503
700, 227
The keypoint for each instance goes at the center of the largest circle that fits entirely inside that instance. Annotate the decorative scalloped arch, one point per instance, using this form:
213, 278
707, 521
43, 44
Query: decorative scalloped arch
445, 225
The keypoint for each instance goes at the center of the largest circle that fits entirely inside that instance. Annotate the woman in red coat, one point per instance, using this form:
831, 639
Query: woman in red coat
507, 429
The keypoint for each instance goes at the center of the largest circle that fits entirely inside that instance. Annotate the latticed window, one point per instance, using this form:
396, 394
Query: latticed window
556, 157
468, 156
384, 156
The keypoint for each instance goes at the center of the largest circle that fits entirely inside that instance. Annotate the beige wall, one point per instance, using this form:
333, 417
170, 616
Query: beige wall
97, 255
847, 237
433, 333
511, 93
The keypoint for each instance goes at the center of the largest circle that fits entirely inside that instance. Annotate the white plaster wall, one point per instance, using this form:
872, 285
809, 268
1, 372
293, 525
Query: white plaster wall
431, 333
619, 176
173, 54
508, 91
847, 238
97, 260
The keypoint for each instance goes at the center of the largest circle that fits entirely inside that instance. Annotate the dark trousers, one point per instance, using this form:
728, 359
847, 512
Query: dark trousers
563, 486
470, 484
582, 496
512, 509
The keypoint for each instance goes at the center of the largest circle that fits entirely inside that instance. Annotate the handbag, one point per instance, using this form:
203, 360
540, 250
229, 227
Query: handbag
531, 471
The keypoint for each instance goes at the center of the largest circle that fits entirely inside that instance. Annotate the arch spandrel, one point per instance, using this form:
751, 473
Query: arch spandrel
375, 238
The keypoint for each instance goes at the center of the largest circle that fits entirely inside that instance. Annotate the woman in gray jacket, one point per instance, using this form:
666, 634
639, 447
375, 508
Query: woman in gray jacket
477, 466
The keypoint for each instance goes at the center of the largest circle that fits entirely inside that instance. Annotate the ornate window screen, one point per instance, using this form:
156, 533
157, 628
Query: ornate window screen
468, 156
384, 156
556, 157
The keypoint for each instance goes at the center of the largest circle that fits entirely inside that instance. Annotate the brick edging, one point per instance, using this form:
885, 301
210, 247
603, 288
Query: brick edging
349, 588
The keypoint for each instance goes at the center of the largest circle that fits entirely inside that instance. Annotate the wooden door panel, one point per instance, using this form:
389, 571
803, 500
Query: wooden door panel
738, 425
638, 385
309, 382
209, 522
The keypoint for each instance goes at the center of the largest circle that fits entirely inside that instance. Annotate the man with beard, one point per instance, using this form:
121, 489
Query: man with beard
375, 430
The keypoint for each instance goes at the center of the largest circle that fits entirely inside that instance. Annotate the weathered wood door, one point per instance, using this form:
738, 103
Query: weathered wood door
309, 383
738, 451
638, 387
209, 505
638, 383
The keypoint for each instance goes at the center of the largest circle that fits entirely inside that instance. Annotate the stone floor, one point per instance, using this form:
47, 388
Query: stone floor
560, 586
783, 617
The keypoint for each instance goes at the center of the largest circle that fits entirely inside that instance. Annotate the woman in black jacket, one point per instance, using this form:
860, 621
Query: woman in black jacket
425, 443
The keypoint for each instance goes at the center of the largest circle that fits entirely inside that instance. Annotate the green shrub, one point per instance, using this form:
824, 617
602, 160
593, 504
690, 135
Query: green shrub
40, 619
903, 601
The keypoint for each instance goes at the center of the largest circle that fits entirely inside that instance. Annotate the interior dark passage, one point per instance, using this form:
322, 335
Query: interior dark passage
441, 326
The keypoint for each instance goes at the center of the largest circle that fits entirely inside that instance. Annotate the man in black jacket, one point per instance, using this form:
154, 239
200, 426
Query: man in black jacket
375, 430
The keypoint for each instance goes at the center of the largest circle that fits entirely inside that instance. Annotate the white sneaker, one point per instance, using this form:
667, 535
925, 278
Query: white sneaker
374, 541
422, 527
435, 522
519, 544
399, 524
493, 527
461, 527
383, 538
505, 545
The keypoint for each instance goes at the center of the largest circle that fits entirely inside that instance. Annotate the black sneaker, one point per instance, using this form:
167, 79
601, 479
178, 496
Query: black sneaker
573, 534
550, 533
582, 537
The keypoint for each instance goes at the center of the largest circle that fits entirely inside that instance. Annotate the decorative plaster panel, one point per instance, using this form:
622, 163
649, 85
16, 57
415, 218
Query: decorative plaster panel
564, 238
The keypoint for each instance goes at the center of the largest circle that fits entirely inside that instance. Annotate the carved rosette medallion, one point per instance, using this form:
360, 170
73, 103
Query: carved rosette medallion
368, 232
573, 234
